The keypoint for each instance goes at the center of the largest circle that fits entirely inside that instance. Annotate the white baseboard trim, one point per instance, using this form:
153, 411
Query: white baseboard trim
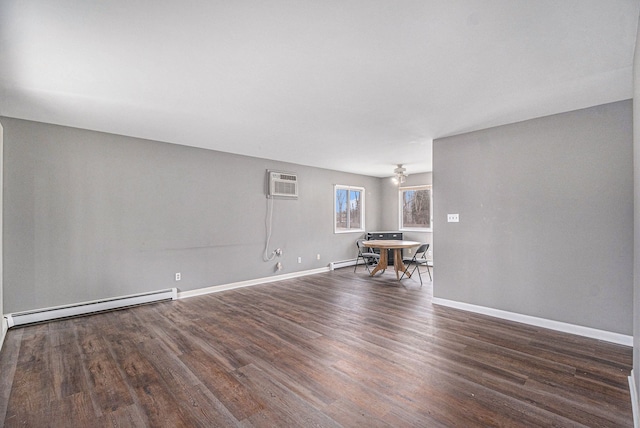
607, 336
248, 283
4, 327
634, 400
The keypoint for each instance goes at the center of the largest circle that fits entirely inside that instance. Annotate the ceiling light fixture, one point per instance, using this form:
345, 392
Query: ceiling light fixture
400, 176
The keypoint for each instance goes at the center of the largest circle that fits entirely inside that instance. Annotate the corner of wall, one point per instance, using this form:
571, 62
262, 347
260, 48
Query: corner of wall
634, 400
3, 331
634, 379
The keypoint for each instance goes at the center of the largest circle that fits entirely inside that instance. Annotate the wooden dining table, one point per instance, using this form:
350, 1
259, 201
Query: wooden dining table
390, 244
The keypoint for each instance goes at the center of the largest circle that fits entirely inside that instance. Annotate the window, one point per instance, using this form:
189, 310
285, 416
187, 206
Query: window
415, 208
349, 209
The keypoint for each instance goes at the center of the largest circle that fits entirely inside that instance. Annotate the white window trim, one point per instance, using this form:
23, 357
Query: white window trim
362, 214
414, 229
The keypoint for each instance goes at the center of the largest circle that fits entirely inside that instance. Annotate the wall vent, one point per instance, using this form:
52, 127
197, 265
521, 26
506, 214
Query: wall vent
282, 185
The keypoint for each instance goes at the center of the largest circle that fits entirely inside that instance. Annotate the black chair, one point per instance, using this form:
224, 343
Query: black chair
419, 259
366, 254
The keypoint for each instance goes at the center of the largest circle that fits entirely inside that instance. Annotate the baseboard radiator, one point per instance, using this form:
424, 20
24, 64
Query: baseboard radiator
48, 314
342, 263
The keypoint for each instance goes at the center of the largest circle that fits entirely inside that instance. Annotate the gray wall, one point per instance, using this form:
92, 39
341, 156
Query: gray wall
90, 215
546, 214
636, 215
2, 312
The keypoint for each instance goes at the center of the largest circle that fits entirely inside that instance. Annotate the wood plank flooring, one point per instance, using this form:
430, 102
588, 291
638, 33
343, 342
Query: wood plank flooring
327, 350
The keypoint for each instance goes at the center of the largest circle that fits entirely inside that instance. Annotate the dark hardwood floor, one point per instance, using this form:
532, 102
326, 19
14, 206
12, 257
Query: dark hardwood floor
333, 349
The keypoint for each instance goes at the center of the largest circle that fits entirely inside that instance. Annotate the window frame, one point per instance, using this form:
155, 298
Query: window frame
401, 191
361, 229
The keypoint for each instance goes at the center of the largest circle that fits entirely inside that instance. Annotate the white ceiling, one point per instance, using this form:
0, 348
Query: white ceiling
355, 86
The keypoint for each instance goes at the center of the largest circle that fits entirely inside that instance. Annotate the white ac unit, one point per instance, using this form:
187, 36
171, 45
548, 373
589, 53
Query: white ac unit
282, 185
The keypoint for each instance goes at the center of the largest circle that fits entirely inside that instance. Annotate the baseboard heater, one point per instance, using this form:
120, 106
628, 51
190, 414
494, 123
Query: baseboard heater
48, 314
342, 263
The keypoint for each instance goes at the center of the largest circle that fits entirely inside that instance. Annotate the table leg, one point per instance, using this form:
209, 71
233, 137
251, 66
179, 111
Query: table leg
398, 264
382, 264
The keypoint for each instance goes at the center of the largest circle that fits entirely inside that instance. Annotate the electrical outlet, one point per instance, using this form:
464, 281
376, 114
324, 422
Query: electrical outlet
178, 276
318, 257
299, 259
409, 250
278, 266
453, 218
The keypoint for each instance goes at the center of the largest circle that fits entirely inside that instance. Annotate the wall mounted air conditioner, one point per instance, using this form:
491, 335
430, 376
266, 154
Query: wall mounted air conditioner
282, 184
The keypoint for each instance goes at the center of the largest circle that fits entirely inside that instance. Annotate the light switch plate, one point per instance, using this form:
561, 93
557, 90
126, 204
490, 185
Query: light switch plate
453, 218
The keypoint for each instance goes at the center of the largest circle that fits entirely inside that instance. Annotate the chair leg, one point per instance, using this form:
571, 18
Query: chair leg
363, 260
366, 264
419, 275
429, 270
404, 272
415, 266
